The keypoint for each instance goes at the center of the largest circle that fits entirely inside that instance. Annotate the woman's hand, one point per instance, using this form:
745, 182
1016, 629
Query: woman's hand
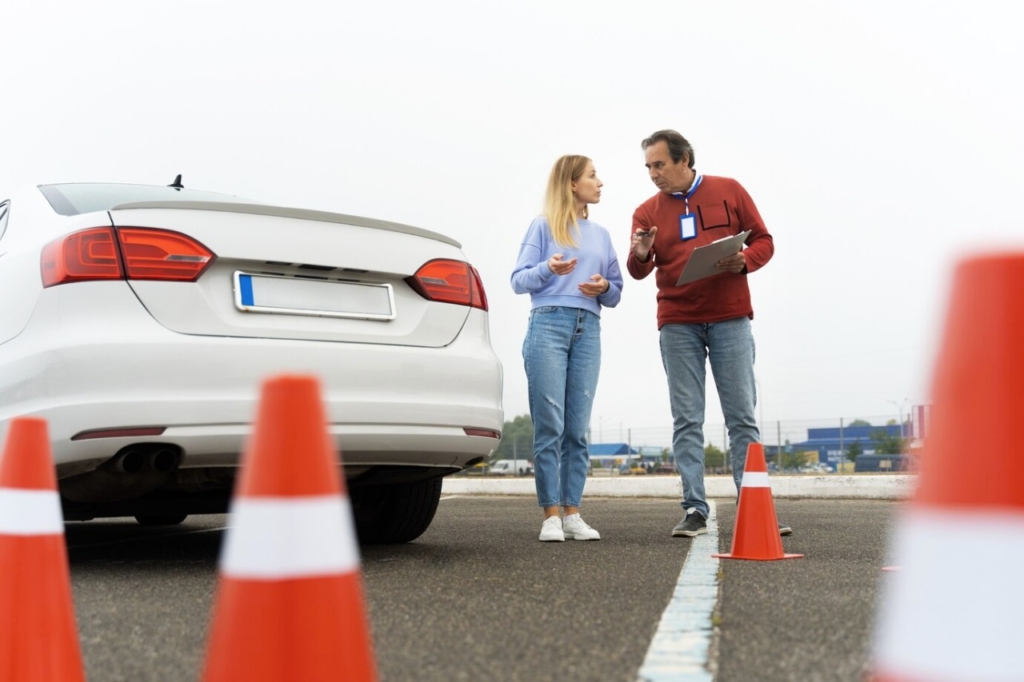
595, 287
559, 266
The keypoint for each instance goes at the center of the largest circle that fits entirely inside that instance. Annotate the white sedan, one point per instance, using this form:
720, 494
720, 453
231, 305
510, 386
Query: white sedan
140, 321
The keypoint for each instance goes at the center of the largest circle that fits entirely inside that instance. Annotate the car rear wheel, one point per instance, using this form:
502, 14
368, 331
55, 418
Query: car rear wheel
168, 519
391, 514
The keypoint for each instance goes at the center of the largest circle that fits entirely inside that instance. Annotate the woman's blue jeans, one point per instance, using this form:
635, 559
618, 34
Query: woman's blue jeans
685, 349
562, 353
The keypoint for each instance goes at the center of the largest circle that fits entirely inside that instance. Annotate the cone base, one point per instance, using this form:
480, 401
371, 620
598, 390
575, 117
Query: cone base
758, 558
309, 629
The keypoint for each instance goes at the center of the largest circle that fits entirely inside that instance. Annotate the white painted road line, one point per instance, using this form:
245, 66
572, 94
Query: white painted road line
680, 647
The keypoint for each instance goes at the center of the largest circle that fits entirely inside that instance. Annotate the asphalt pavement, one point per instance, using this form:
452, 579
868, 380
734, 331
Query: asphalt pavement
804, 619
477, 597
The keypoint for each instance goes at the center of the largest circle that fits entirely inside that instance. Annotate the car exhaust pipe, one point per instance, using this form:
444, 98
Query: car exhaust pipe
131, 473
130, 461
164, 460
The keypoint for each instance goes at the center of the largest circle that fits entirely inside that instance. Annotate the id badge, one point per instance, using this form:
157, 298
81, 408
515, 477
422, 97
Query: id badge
687, 226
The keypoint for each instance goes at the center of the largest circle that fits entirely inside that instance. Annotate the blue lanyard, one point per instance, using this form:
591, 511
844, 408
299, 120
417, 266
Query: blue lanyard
689, 193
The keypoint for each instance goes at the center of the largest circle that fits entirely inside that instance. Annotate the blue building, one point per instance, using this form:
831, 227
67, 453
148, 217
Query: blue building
832, 442
607, 453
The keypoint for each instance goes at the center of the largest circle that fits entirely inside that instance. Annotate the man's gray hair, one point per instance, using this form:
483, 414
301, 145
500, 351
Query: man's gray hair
678, 147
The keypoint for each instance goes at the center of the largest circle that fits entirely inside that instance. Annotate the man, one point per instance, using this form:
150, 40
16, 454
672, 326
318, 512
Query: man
706, 318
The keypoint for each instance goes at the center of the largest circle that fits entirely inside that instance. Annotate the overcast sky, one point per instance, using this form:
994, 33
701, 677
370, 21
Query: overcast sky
882, 141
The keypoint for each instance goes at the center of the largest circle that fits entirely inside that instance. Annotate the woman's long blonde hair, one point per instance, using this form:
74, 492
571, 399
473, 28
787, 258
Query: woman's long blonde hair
559, 202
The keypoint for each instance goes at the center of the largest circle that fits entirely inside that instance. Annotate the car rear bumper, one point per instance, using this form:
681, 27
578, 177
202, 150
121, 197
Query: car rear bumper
386, 405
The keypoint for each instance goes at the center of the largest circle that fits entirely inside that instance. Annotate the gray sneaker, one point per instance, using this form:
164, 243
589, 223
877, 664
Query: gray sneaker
692, 525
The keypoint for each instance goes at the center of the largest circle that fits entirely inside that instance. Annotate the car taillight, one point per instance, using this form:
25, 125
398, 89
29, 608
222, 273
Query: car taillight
162, 254
449, 281
128, 253
82, 256
479, 295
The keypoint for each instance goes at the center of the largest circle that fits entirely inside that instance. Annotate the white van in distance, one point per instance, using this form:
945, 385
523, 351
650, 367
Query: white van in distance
510, 467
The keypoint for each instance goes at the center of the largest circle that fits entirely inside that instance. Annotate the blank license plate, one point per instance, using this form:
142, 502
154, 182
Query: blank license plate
291, 296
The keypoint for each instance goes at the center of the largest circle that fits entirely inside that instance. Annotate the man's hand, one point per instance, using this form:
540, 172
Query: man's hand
595, 287
734, 263
642, 241
559, 266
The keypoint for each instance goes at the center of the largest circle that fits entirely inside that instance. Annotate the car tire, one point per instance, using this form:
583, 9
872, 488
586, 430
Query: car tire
166, 519
393, 514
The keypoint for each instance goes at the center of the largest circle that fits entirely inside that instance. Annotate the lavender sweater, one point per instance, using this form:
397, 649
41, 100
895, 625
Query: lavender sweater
595, 256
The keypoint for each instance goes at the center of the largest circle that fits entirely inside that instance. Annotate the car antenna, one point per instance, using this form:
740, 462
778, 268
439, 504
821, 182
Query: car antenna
177, 183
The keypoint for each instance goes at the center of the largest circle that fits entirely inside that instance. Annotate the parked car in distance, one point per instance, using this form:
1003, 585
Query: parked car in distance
510, 467
140, 321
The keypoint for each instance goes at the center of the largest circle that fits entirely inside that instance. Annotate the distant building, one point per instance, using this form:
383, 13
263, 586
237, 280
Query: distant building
650, 453
832, 443
608, 453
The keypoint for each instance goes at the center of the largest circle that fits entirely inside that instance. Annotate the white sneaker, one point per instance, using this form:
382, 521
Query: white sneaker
576, 528
551, 530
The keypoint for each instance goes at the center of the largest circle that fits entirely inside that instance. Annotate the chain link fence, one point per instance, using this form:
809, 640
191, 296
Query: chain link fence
881, 443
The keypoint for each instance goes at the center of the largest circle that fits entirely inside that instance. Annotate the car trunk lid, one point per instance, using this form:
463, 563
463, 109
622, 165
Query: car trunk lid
298, 274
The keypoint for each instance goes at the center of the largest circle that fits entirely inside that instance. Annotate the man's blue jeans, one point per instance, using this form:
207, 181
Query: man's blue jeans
562, 353
685, 349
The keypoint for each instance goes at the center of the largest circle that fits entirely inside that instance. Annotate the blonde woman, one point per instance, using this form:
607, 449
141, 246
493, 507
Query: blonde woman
568, 266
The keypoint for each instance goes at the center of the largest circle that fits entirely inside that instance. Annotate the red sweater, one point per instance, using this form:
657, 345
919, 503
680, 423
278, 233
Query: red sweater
722, 208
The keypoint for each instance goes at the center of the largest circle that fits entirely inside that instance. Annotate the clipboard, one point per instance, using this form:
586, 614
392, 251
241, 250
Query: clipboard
702, 260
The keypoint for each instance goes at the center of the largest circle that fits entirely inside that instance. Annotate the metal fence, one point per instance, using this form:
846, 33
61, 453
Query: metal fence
836, 441
772, 432
790, 445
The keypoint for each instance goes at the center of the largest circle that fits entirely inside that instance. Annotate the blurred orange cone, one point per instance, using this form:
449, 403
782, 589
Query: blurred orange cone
755, 535
38, 636
953, 610
290, 599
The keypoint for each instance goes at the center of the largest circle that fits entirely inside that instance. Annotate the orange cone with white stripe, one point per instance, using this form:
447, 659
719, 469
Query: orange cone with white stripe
953, 611
755, 535
38, 636
290, 599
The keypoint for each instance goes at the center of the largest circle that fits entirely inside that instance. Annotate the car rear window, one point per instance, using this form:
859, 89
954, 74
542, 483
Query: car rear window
77, 198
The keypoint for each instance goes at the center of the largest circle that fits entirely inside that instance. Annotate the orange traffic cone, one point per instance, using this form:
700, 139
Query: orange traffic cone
755, 535
38, 636
290, 600
953, 610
